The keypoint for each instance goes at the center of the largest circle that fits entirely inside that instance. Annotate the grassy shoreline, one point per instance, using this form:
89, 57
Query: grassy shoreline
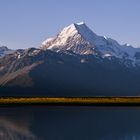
109, 101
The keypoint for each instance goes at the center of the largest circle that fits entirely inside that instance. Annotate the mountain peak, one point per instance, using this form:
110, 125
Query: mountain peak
74, 32
80, 23
80, 39
77, 37
74, 28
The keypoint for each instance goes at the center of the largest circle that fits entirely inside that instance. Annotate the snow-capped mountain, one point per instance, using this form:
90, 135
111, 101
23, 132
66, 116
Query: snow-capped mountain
79, 39
77, 62
4, 50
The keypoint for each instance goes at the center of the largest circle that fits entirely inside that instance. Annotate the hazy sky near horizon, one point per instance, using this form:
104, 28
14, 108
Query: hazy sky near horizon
26, 23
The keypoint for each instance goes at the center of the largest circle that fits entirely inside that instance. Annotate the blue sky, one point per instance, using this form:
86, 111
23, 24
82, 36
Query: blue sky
26, 23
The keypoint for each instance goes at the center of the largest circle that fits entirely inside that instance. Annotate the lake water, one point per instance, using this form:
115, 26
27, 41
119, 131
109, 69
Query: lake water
69, 123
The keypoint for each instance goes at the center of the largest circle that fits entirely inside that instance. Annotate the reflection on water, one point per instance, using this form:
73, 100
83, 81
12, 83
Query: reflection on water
10, 130
69, 123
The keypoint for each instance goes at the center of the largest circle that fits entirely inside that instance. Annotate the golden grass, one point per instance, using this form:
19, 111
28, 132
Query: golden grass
70, 100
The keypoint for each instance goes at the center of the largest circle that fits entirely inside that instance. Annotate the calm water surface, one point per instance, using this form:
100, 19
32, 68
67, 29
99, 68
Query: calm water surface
69, 123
